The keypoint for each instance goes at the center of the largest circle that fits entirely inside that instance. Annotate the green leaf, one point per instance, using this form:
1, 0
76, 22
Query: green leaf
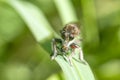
43, 33
66, 11
90, 22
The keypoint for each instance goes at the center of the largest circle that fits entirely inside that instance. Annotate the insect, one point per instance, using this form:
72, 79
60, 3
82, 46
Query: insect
68, 43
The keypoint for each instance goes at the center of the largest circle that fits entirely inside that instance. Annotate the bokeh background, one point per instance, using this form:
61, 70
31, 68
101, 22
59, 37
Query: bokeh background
22, 58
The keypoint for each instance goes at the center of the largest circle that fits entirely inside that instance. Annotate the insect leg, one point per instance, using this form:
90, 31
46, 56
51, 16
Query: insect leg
69, 59
81, 57
71, 56
54, 49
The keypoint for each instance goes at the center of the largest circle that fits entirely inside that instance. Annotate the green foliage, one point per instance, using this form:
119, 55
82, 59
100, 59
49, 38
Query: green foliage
27, 27
38, 24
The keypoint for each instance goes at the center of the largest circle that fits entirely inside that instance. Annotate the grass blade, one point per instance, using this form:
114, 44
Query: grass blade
90, 22
66, 11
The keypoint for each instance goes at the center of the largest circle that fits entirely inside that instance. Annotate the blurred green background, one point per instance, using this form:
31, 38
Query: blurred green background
22, 58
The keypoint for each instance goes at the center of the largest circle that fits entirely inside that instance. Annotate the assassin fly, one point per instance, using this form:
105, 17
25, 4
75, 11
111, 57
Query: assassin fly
69, 42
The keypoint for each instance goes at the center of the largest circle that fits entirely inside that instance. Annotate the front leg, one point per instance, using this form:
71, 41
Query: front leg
54, 47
